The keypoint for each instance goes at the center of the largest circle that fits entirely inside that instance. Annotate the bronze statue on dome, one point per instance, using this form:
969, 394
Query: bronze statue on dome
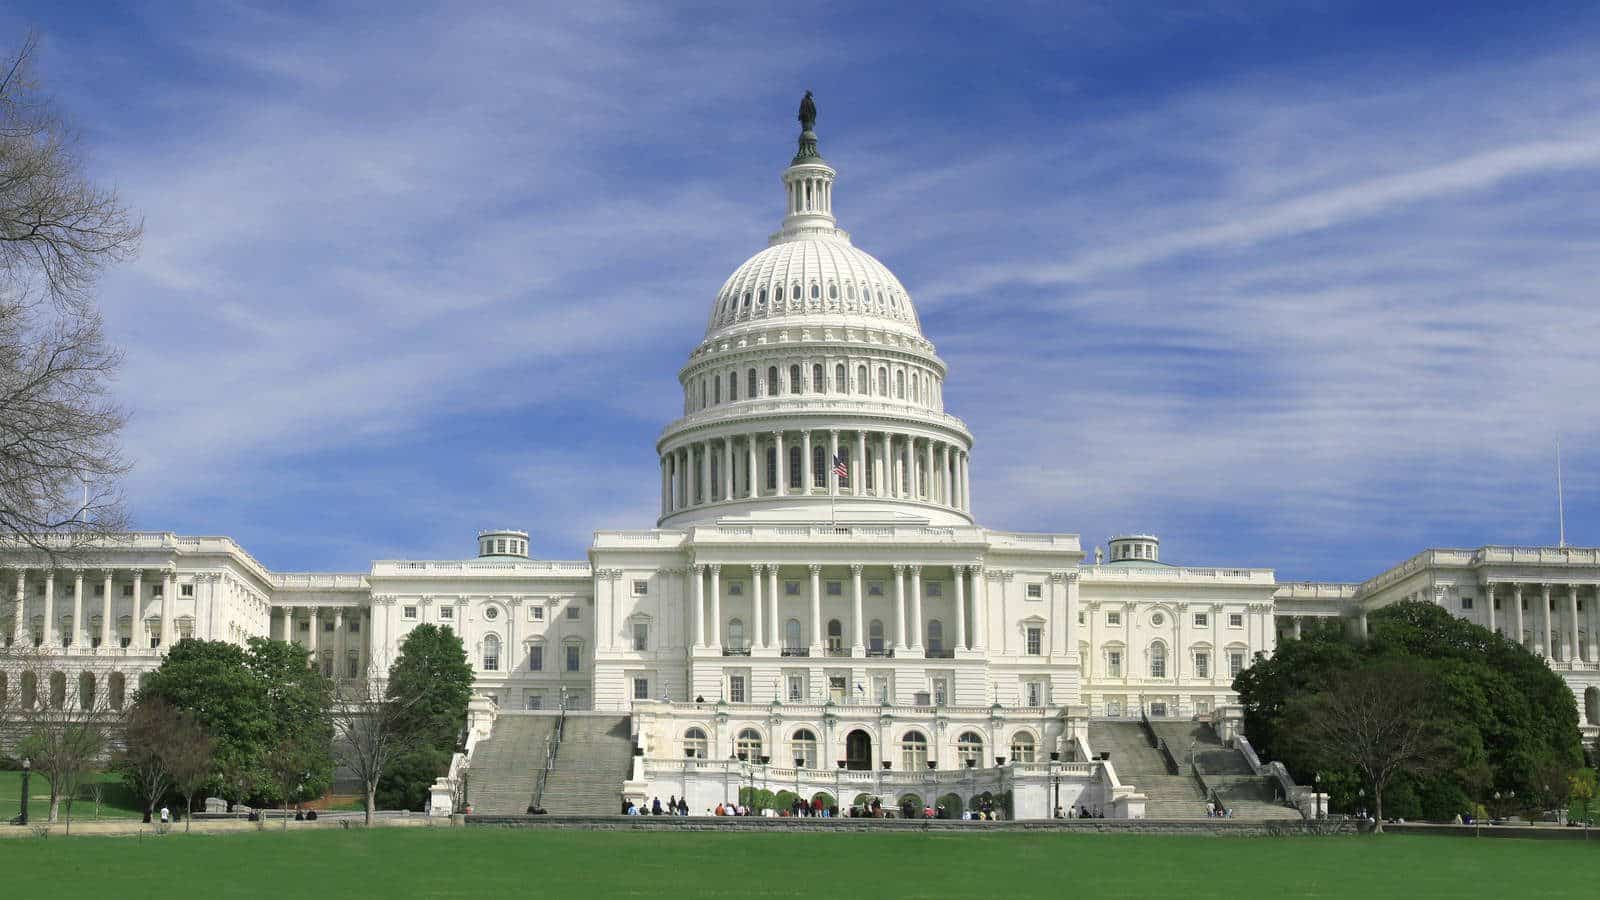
808, 112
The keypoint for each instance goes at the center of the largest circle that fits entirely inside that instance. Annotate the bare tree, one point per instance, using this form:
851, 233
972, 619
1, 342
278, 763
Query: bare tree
153, 727
370, 734
65, 726
189, 761
1379, 720
59, 459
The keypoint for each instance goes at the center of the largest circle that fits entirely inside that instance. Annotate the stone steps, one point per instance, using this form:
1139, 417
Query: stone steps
595, 758
505, 767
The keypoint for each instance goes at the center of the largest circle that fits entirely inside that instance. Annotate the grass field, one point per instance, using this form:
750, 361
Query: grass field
116, 802
477, 863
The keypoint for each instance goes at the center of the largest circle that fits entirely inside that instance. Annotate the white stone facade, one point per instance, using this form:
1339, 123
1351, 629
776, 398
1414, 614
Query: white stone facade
816, 585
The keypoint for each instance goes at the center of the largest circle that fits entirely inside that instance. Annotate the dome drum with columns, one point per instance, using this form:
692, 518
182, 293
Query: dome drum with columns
814, 393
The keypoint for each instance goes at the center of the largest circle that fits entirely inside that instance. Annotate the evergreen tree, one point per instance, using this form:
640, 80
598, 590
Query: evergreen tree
429, 684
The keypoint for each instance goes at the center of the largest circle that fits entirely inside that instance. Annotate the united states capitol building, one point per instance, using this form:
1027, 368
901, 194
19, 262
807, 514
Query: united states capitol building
816, 608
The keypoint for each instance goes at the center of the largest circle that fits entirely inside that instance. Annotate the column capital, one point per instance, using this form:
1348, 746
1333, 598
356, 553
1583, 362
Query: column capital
855, 568
699, 568
716, 568
814, 568
898, 568
916, 570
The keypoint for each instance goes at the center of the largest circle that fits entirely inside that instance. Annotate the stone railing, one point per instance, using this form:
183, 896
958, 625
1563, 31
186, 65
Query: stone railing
402, 568
1179, 574
1299, 797
825, 532
747, 413
319, 581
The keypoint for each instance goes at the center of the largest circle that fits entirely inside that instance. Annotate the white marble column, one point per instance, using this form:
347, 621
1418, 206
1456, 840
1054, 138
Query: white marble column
833, 454
928, 480
716, 606
698, 607
705, 472
966, 483
751, 470
169, 588
1072, 617
857, 645
959, 577
899, 636
1488, 599
886, 468
782, 464
727, 468
1544, 621
311, 641
916, 607
805, 462
816, 609
49, 608
1516, 614
1573, 651
76, 638
138, 633
108, 619
858, 468
338, 643
666, 487
980, 608
774, 621
18, 610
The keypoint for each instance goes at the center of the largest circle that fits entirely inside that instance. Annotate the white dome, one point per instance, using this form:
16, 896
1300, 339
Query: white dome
796, 280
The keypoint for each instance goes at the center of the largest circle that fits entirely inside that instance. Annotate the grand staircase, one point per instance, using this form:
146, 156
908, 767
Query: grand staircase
1167, 796
505, 767
594, 758
1250, 796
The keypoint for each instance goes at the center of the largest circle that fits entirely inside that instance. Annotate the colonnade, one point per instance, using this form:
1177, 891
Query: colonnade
52, 602
763, 464
1537, 628
341, 643
903, 603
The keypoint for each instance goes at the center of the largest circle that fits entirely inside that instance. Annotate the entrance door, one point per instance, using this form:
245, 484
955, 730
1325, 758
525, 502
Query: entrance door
858, 751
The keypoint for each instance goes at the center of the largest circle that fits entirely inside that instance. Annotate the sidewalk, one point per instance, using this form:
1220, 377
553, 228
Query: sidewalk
133, 827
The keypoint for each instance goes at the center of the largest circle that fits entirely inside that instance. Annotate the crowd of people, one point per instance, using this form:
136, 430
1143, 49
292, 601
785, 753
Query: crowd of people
1080, 812
983, 810
674, 807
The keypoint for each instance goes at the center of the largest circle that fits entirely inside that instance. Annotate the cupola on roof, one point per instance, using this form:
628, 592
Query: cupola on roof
810, 272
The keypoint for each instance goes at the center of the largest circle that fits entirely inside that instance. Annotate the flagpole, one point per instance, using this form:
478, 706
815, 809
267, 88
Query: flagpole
1561, 501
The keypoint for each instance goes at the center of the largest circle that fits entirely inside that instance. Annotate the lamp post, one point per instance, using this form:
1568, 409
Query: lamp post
27, 770
1316, 781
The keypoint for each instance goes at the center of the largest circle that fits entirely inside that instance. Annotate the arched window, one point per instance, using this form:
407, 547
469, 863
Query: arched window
748, 745
794, 468
835, 636
58, 690
833, 291
935, 635
702, 393
750, 385
772, 381
1158, 660
850, 291
116, 689
761, 298
875, 636
796, 385
869, 465
819, 466
969, 748
863, 383
733, 386
817, 385
736, 634
715, 486
694, 744
30, 689
746, 299
791, 635
772, 468
899, 386
777, 294
816, 292
839, 386
883, 382
491, 653
794, 291
804, 745
913, 751
915, 394
716, 391
86, 688
1022, 747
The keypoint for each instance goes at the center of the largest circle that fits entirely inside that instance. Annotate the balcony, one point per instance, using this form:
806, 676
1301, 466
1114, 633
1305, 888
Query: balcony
796, 651
839, 652
735, 651
880, 654
939, 654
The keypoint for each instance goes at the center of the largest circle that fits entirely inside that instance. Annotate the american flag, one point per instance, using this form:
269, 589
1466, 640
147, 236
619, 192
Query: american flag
841, 465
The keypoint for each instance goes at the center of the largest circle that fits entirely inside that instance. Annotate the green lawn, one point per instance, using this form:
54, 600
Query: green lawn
115, 802
478, 863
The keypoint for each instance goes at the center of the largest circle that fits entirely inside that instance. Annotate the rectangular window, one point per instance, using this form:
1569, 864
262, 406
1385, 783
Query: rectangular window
1113, 618
185, 590
536, 613
533, 701
641, 588
1114, 663
1235, 620
1035, 591
735, 589
99, 590
155, 590
352, 665
536, 658
1235, 664
934, 588
641, 636
1466, 602
127, 591
641, 689
736, 689
874, 589
1202, 665
1035, 639
355, 626
572, 612
791, 588
1202, 620
447, 613
574, 661
408, 612
835, 589
327, 625
797, 688
491, 658
1080, 617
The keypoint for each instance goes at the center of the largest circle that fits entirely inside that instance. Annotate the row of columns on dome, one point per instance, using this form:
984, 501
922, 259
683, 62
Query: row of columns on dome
742, 467
336, 637
906, 601
1550, 620
93, 591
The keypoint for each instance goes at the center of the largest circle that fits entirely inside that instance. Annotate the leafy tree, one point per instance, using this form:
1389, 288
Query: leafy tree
291, 766
153, 730
429, 684
300, 700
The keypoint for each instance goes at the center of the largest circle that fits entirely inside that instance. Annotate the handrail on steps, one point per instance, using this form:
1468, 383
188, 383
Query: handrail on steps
552, 746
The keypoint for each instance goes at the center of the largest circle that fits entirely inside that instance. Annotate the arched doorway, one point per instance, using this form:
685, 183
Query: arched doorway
910, 806
1591, 705
858, 751
951, 806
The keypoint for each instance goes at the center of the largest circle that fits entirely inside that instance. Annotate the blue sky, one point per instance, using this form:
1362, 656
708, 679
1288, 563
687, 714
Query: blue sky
1309, 286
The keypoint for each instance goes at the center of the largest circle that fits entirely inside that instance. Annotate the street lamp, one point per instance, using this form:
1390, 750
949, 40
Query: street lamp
27, 770
1316, 781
